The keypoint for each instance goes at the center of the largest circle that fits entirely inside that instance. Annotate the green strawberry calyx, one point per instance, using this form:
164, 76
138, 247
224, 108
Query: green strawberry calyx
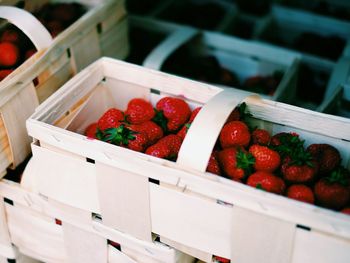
245, 161
160, 119
120, 135
339, 175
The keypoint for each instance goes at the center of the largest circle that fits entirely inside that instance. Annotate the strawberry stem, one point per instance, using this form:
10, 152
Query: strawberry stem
119, 135
160, 119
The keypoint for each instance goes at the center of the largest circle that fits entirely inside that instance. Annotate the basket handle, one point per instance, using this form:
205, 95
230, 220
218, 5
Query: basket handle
157, 56
29, 24
201, 137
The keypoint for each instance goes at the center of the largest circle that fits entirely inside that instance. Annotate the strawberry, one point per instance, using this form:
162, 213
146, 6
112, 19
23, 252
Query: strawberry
194, 114
172, 113
260, 136
265, 159
139, 110
183, 131
9, 54
327, 156
151, 129
125, 137
91, 131
239, 113
110, 119
234, 133
286, 143
167, 147
213, 164
345, 210
235, 162
29, 53
333, 191
218, 259
301, 193
295, 171
4, 73
10, 35
266, 181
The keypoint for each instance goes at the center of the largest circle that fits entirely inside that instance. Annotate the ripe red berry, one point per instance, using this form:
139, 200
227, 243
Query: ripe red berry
110, 119
260, 136
139, 110
333, 191
91, 131
265, 159
172, 113
301, 193
4, 73
266, 181
9, 54
213, 164
327, 156
234, 133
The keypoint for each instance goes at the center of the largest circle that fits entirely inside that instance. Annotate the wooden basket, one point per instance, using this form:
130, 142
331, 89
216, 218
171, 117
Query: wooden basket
168, 34
49, 231
101, 31
174, 6
183, 209
244, 58
290, 23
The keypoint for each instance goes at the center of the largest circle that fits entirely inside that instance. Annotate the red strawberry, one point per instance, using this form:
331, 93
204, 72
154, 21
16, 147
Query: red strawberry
194, 114
110, 119
266, 181
327, 156
346, 210
9, 54
234, 133
261, 136
125, 137
213, 164
29, 53
239, 113
333, 191
265, 159
183, 131
167, 147
151, 129
10, 35
139, 110
299, 172
301, 193
284, 141
4, 73
91, 131
172, 113
221, 259
235, 162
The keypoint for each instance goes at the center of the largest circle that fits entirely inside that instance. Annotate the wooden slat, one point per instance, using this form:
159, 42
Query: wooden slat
84, 56
313, 246
33, 231
82, 246
255, 238
5, 151
78, 185
124, 201
14, 115
6, 248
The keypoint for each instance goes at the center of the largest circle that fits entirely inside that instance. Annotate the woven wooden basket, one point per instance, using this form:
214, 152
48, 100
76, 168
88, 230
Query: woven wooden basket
100, 31
183, 208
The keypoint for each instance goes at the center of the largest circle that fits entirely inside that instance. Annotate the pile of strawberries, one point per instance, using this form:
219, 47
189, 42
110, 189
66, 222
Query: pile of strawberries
58, 16
16, 47
279, 163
